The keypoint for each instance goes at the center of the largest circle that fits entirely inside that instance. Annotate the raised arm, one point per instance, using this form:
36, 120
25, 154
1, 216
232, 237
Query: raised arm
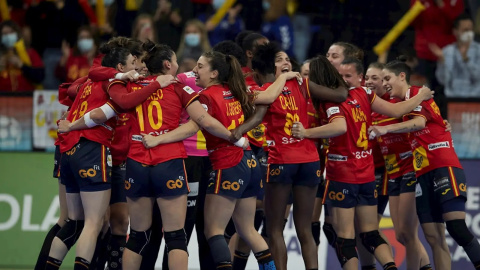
336, 95
271, 93
397, 110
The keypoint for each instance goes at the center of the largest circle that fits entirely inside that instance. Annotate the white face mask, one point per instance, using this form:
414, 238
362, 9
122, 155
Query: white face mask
467, 36
85, 45
9, 40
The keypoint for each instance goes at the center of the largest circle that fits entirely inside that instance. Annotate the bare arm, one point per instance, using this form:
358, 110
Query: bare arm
271, 93
336, 95
252, 122
397, 110
94, 117
182, 132
417, 123
337, 127
206, 121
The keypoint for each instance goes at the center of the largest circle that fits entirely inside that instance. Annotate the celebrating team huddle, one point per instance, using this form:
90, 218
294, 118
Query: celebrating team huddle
250, 138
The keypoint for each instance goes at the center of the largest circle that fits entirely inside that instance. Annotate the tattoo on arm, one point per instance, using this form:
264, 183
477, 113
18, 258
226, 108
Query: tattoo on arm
200, 118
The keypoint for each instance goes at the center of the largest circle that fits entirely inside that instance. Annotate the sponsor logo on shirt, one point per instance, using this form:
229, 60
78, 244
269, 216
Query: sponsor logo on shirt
333, 157
227, 93
189, 90
333, 110
418, 108
270, 143
405, 155
190, 74
137, 138
434, 146
205, 107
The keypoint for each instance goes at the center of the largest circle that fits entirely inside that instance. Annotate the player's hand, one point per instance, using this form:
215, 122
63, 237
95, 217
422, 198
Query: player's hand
298, 131
376, 131
63, 126
246, 144
235, 135
132, 75
426, 93
150, 141
448, 127
292, 74
166, 80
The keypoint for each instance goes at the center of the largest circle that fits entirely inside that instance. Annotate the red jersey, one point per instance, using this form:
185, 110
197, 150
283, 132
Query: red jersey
90, 96
121, 138
395, 147
349, 157
247, 72
290, 106
323, 147
432, 146
221, 104
77, 66
157, 115
256, 136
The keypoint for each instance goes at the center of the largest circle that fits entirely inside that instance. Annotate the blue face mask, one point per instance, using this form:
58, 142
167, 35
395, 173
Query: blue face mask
85, 45
108, 2
9, 40
217, 4
266, 5
192, 39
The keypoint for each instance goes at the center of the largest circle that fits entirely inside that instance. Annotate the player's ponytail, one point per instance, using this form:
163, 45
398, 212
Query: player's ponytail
156, 55
398, 66
236, 83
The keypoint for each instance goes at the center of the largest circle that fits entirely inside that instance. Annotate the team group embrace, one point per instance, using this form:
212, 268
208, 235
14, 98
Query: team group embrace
252, 139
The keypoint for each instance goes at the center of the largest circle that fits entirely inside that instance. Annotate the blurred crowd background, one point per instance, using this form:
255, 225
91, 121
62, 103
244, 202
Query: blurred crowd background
61, 37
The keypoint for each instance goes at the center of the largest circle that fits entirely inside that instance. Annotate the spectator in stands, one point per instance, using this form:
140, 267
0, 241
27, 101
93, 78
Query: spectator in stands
20, 67
458, 66
76, 62
278, 26
193, 44
228, 27
143, 28
433, 26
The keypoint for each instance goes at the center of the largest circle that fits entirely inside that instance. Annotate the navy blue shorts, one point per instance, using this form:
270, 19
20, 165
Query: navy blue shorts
118, 184
440, 191
402, 184
236, 182
57, 159
86, 167
260, 171
165, 179
303, 174
345, 195
321, 188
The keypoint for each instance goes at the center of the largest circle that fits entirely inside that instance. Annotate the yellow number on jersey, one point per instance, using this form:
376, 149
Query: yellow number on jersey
155, 125
289, 119
362, 141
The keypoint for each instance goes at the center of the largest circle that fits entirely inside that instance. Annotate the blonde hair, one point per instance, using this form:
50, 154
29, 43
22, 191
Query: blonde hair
204, 42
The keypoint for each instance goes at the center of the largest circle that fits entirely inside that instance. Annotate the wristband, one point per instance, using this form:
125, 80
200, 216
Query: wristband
88, 121
108, 111
240, 142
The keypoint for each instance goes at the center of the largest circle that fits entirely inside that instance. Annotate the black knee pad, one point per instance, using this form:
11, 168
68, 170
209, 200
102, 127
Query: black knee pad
230, 230
330, 233
176, 240
316, 232
138, 240
371, 240
345, 249
459, 232
70, 232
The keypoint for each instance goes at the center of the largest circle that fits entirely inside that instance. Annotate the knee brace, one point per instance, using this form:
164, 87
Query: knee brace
330, 233
70, 232
176, 240
458, 230
371, 240
138, 240
316, 232
345, 249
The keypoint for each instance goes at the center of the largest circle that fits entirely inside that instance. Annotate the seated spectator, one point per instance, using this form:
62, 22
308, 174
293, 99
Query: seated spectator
193, 44
76, 62
20, 67
458, 66
143, 28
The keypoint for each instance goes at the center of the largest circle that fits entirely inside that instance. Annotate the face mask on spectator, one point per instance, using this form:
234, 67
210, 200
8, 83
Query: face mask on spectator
105, 2
266, 5
9, 40
467, 36
192, 39
217, 4
85, 45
